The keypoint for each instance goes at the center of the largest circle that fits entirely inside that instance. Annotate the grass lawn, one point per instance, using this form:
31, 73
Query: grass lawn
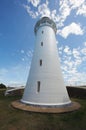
13, 119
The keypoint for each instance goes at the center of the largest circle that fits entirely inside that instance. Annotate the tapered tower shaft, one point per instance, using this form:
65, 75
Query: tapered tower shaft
45, 85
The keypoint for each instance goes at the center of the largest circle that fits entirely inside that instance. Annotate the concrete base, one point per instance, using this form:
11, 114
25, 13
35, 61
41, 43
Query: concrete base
43, 109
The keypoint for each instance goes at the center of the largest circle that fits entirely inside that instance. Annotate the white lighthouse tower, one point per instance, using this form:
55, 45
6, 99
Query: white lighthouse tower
45, 90
45, 85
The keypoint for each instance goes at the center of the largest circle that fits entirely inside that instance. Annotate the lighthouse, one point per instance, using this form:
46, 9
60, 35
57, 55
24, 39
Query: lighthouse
45, 85
45, 90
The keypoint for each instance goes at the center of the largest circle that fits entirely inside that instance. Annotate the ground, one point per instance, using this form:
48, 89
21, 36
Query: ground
13, 119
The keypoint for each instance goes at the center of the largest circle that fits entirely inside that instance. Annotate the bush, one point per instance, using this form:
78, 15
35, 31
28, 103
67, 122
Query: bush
2, 86
76, 92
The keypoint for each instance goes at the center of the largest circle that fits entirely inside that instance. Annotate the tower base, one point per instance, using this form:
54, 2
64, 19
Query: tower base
46, 109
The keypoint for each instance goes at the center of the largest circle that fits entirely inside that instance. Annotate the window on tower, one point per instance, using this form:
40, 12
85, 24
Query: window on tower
38, 86
42, 31
41, 43
40, 62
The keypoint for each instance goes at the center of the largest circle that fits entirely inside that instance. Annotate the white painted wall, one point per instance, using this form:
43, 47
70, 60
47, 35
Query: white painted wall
52, 89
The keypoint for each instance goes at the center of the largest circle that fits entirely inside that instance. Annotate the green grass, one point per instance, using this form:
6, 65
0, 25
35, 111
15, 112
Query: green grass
13, 119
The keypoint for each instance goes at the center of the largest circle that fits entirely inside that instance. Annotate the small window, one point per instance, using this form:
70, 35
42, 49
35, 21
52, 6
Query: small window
38, 86
40, 62
41, 43
42, 32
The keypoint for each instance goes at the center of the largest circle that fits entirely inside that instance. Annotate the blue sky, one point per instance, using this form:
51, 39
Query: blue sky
17, 39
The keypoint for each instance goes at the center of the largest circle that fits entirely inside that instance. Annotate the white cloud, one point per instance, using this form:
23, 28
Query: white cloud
56, 18
60, 49
83, 51
47, 2
64, 10
18, 73
53, 15
30, 12
22, 59
85, 44
73, 28
14, 74
71, 59
67, 50
35, 3
29, 53
26, 55
60, 16
71, 64
76, 3
76, 52
66, 6
77, 79
43, 10
22, 51
79, 5
82, 10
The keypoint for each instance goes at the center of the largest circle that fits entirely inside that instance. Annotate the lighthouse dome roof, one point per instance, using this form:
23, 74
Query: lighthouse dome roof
45, 21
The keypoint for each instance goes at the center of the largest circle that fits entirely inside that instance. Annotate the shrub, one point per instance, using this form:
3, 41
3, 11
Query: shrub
2, 86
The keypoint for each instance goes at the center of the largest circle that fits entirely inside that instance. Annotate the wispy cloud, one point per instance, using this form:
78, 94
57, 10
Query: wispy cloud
71, 62
22, 51
43, 10
65, 9
30, 12
67, 6
16, 74
26, 55
76, 4
35, 3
